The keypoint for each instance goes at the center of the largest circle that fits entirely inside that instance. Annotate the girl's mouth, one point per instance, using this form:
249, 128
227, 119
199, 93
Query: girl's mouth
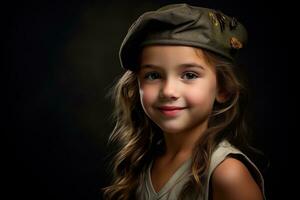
170, 111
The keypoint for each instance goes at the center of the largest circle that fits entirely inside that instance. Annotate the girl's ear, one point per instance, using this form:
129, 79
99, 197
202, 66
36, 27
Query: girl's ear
222, 96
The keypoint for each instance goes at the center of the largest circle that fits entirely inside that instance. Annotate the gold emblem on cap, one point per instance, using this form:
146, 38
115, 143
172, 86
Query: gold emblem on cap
213, 18
235, 43
217, 19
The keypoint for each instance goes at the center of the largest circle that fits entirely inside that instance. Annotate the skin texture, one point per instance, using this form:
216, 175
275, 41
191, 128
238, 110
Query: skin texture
177, 76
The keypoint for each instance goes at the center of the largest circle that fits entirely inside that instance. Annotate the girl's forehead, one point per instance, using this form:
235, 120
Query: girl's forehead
171, 51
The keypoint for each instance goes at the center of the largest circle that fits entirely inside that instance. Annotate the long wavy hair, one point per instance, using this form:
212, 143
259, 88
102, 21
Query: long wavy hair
140, 139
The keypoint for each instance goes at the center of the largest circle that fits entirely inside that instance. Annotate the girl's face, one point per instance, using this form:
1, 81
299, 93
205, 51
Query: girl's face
177, 87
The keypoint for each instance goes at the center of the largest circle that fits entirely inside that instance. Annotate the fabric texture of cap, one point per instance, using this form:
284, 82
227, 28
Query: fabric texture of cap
183, 24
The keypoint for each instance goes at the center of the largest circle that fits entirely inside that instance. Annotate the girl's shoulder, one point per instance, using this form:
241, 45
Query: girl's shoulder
232, 171
231, 179
224, 150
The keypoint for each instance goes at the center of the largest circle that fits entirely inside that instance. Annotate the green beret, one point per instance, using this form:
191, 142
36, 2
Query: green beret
182, 24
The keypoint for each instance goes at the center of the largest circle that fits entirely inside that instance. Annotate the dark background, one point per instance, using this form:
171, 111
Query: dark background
61, 59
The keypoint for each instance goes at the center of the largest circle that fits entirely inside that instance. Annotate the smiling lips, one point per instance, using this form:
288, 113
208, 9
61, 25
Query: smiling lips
170, 111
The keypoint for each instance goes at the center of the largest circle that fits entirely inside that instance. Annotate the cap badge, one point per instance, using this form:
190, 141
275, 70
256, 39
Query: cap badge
235, 43
213, 18
218, 19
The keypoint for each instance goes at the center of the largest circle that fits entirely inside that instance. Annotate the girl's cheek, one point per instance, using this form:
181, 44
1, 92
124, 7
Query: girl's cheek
200, 96
148, 99
148, 94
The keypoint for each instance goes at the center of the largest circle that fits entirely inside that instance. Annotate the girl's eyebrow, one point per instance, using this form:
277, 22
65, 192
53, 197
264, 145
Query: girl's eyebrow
149, 66
191, 65
183, 65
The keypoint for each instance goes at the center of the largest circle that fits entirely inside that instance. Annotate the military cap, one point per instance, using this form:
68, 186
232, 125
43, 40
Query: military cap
183, 24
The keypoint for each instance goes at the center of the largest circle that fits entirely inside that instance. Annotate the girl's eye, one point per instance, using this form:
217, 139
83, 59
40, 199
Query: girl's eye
190, 75
152, 75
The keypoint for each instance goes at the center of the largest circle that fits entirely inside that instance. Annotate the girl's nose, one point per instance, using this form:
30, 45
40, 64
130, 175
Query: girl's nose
169, 89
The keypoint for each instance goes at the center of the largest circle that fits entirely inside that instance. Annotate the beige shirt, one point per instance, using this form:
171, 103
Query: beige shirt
172, 188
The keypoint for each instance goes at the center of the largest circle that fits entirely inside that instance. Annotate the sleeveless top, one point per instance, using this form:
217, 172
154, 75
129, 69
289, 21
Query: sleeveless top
173, 187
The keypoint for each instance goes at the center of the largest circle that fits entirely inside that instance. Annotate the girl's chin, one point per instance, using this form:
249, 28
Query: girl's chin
171, 130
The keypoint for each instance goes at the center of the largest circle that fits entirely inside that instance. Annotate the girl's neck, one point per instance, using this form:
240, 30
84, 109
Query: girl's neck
182, 144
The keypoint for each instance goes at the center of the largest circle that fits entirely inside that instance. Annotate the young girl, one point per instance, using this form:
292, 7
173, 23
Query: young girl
179, 110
